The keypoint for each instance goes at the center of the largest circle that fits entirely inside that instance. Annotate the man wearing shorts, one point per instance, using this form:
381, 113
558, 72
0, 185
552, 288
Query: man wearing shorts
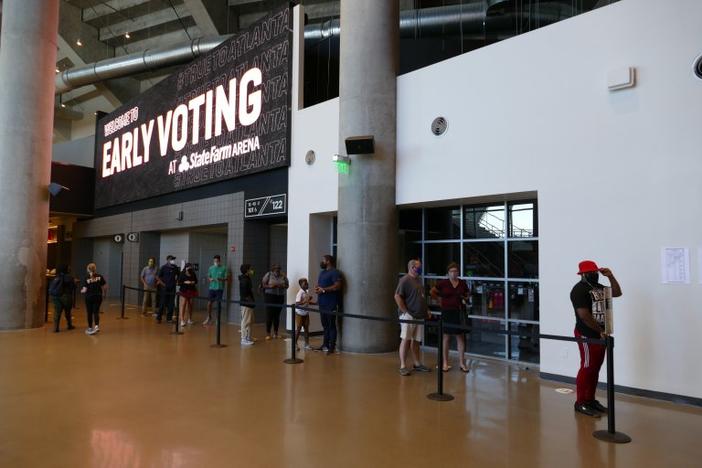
412, 304
217, 276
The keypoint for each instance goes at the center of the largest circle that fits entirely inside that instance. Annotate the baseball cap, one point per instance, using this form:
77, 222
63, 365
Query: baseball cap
587, 266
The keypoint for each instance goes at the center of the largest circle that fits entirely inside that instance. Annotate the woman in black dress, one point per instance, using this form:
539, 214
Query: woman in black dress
453, 293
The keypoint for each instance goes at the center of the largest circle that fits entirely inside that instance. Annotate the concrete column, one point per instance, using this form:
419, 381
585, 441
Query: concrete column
367, 219
27, 62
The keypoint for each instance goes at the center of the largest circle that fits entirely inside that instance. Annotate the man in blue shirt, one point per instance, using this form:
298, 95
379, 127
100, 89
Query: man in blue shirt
329, 298
167, 278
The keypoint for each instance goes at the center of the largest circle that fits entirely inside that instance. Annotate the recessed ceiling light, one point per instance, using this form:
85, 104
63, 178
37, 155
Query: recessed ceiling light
127, 35
79, 43
57, 70
63, 105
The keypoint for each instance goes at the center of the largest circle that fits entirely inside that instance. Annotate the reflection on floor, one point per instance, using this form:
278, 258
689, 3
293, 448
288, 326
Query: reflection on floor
137, 396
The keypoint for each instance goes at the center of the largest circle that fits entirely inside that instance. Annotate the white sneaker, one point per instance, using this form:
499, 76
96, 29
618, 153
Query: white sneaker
96, 328
207, 320
246, 343
190, 322
88, 331
182, 324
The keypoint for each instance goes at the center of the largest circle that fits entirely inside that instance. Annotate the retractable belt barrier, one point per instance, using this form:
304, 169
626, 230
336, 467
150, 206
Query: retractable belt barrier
609, 435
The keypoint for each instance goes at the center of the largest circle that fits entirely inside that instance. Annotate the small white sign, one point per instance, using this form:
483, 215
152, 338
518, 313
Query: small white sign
675, 265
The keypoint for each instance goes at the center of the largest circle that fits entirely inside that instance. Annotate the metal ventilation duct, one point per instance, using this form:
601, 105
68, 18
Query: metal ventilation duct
471, 18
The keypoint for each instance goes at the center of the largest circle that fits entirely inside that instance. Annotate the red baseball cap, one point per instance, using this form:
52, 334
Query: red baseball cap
587, 266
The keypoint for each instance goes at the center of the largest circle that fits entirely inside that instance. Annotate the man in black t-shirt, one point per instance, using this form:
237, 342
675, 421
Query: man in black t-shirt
167, 278
589, 299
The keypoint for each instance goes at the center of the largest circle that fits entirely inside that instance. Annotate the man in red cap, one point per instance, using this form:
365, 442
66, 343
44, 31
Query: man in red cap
588, 295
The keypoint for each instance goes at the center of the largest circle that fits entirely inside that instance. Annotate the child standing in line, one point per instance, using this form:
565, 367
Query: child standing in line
302, 319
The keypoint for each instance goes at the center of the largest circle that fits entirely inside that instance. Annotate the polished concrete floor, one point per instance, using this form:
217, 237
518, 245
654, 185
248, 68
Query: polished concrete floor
137, 396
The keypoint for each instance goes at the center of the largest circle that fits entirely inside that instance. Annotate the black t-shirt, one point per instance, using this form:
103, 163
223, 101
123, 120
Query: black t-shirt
93, 285
185, 277
246, 291
584, 296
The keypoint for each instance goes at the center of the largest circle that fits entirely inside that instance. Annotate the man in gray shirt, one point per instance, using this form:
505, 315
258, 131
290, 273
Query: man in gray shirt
148, 281
411, 300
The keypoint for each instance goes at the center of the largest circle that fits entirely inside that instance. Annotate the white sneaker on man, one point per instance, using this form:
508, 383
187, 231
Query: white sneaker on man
96, 328
89, 331
246, 343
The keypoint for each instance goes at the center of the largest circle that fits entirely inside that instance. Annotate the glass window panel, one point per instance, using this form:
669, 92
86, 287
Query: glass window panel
486, 259
407, 251
443, 223
484, 222
481, 341
410, 222
525, 346
487, 298
335, 230
522, 220
523, 259
523, 300
438, 256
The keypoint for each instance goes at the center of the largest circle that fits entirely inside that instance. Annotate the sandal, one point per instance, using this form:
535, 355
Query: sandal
446, 369
464, 368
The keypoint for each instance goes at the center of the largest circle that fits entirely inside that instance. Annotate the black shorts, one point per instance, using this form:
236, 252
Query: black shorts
215, 295
454, 317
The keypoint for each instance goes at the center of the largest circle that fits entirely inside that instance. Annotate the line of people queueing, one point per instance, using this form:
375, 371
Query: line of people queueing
170, 282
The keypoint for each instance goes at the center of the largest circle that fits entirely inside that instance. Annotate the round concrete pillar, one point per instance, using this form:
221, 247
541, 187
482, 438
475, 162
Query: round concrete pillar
367, 218
27, 63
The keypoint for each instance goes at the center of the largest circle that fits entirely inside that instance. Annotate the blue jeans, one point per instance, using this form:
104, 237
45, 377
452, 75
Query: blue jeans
329, 325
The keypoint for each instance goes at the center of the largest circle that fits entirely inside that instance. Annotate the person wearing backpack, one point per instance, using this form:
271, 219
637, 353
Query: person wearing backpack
61, 293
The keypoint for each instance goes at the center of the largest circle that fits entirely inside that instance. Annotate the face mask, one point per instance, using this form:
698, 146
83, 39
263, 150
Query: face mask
323, 265
592, 278
172, 262
418, 270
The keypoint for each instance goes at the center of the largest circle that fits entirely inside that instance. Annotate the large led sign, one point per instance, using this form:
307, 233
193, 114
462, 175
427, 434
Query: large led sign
224, 115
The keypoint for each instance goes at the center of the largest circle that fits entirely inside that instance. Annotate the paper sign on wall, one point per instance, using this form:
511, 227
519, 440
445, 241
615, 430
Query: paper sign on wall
675, 265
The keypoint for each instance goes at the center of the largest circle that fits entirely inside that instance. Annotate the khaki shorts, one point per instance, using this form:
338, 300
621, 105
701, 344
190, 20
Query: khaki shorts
302, 321
411, 331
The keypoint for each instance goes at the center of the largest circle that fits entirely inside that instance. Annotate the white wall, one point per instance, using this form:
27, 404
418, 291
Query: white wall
617, 174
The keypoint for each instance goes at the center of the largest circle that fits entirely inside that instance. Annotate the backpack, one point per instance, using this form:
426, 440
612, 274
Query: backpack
56, 287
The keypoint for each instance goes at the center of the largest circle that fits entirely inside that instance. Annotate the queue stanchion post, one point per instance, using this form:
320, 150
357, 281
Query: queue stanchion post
176, 318
439, 395
219, 344
293, 341
611, 434
122, 299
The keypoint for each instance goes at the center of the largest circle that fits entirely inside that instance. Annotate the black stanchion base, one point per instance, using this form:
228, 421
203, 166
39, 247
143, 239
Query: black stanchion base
293, 361
440, 397
615, 438
218, 346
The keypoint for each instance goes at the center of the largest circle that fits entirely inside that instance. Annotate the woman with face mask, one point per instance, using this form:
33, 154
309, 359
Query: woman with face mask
275, 285
188, 290
453, 294
94, 288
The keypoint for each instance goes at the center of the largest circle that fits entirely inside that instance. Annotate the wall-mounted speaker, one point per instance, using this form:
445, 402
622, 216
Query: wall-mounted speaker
360, 145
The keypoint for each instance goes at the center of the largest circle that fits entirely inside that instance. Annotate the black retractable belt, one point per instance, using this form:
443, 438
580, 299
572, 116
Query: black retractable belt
439, 395
122, 299
293, 342
219, 344
176, 314
611, 434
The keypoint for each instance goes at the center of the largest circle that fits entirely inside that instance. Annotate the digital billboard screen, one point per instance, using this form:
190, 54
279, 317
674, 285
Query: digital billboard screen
224, 115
